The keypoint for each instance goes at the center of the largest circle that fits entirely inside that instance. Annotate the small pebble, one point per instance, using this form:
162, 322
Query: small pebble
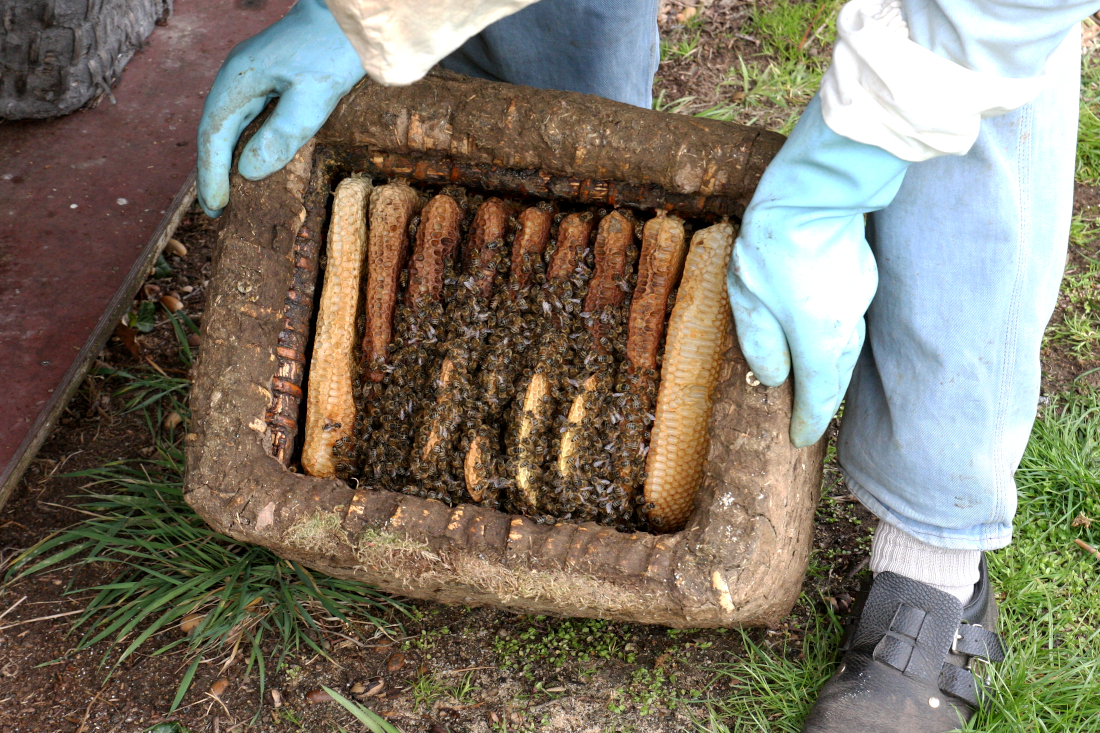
175, 247
188, 289
193, 340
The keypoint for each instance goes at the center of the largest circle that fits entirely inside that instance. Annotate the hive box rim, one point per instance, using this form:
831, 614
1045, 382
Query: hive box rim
741, 557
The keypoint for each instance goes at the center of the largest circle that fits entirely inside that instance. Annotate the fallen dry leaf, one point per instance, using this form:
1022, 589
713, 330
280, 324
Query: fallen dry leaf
128, 337
318, 695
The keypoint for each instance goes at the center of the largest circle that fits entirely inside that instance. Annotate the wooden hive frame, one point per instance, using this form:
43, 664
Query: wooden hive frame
740, 558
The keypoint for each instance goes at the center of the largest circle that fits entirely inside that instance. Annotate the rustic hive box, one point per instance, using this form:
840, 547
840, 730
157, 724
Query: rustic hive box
741, 556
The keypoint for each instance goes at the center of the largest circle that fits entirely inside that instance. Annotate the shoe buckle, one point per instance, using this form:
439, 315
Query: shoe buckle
983, 665
980, 669
955, 641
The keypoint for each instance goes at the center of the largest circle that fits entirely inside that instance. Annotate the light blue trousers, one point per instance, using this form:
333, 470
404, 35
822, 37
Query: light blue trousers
970, 256
609, 48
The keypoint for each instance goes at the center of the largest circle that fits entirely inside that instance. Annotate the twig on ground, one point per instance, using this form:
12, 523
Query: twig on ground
357, 643
859, 566
156, 366
809, 30
467, 669
40, 618
13, 607
88, 711
1088, 548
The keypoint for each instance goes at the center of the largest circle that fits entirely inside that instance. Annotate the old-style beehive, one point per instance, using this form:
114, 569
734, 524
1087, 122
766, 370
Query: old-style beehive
741, 555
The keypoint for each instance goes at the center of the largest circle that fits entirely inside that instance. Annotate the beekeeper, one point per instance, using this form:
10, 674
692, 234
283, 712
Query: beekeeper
952, 123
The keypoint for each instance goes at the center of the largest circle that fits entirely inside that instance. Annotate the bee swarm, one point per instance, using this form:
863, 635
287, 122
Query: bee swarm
512, 353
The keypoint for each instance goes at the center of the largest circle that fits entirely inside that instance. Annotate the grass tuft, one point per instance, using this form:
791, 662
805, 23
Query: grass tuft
1088, 128
1049, 617
788, 28
172, 579
1046, 590
770, 691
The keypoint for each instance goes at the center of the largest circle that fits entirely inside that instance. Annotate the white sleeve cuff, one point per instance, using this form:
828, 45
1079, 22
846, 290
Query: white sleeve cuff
399, 40
883, 89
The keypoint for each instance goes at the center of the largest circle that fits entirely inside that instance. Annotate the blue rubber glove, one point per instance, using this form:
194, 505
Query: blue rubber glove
304, 59
802, 274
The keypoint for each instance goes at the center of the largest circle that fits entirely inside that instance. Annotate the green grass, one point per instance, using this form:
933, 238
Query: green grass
770, 691
1079, 327
787, 28
1050, 616
558, 641
775, 93
1088, 129
162, 564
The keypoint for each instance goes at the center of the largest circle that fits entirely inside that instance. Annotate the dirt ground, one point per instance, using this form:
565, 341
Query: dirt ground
452, 668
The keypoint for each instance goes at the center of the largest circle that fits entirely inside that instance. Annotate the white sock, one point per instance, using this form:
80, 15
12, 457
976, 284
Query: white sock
952, 571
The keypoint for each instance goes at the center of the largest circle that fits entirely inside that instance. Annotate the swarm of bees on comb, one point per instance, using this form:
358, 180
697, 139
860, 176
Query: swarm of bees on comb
556, 364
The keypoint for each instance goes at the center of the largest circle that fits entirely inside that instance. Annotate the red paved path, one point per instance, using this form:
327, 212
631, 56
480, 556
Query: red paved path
80, 198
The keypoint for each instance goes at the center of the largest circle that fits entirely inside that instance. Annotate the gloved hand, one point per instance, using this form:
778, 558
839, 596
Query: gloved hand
307, 61
802, 274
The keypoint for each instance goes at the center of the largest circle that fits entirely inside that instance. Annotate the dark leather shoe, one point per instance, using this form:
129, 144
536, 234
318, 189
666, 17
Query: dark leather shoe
910, 661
